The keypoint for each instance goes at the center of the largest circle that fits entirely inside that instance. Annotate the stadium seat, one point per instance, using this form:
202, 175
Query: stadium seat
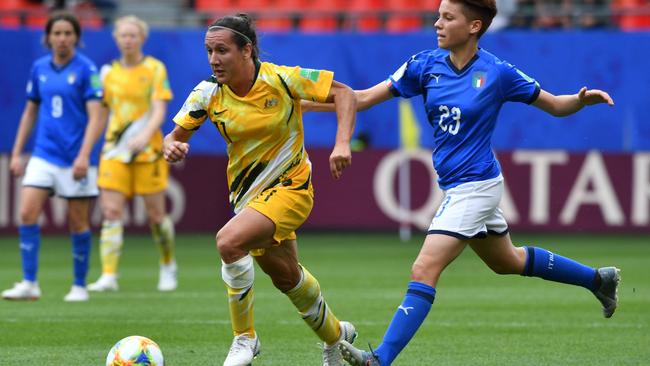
275, 15
405, 15
89, 16
634, 14
367, 14
16, 13
321, 15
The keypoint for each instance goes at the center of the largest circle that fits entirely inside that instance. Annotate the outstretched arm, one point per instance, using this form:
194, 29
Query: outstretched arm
175, 146
565, 105
345, 105
365, 99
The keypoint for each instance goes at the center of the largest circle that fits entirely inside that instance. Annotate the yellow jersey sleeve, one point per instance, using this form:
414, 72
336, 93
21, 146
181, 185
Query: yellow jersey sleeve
308, 84
195, 109
161, 89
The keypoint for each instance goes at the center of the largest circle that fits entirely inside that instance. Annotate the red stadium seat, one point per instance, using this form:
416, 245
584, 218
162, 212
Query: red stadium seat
367, 14
634, 14
16, 13
405, 15
321, 15
275, 15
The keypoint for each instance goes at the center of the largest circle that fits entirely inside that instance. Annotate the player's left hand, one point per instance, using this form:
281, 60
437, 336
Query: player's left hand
80, 167
340, 159
594, 96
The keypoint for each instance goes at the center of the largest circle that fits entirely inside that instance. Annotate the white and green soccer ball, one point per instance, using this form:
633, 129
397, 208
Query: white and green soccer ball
135, 351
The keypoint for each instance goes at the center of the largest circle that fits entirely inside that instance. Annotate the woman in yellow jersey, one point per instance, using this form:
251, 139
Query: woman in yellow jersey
136, 95
256, 107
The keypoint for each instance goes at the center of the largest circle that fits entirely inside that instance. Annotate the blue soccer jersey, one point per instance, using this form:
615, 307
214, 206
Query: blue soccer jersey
61, 93
462, 107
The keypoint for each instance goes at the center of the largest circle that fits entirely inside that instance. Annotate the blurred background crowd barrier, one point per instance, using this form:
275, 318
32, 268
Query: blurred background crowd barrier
587, 172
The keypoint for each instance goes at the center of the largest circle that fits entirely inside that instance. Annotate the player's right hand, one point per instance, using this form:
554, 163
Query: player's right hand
16, 166
175, 151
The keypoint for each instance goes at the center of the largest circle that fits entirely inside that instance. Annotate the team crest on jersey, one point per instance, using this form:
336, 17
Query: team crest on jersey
71, 78
478, 79
270, 103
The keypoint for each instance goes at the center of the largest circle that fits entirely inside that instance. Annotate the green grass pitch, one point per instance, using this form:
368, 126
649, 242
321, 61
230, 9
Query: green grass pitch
478, 318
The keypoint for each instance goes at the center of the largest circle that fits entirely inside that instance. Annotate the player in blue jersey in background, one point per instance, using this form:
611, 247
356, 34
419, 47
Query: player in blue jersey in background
463, 88
63, 95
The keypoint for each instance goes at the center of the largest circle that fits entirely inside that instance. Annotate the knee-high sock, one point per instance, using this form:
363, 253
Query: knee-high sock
240, 303
110, 245
238, 277
81, 243
553, 267
163, 236
307, 298
406, 321
30, 243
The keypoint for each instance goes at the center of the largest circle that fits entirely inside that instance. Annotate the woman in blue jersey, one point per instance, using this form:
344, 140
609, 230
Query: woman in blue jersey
464, 88
63, 96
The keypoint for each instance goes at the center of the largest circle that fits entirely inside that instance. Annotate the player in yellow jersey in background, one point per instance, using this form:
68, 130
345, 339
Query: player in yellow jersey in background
136, 96
256, 107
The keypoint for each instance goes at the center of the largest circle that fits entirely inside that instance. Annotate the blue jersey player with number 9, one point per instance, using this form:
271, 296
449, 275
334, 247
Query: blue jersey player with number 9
63, 96
463, 88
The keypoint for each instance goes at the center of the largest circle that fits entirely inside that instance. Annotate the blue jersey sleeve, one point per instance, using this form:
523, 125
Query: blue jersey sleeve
517, 86
406, 81
33, 92
92, 86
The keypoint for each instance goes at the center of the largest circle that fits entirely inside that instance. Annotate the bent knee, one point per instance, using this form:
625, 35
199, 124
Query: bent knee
424, 272
228, 245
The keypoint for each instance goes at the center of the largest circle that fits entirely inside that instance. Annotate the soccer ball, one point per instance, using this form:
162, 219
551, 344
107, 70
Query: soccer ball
135, 351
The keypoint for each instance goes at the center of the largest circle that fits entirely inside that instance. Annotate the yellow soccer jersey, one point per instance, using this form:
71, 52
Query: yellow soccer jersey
128, 93
263, 129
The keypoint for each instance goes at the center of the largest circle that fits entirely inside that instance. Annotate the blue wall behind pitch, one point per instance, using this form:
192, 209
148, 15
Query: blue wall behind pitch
562, 62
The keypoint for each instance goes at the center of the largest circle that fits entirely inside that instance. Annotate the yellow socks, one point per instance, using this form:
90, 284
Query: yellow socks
307, 298
238, 277
110, 245
163, 236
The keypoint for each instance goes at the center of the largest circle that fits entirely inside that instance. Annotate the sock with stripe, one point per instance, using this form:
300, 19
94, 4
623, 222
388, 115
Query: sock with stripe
81, 243
407, 319
110, 245
30, 243
553, 267
163, 236
239, 277
311, 305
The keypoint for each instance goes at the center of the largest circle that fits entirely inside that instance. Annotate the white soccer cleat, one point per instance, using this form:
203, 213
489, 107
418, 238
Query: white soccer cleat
242, 351
76, 294
167, 277
332, 354
106, 282
23, 290
357, 357
607, 293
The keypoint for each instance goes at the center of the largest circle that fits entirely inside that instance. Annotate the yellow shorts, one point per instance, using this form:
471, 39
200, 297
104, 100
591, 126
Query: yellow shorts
288, 208
133, 178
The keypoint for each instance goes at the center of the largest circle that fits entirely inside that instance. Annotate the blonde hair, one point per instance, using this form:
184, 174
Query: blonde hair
144, 27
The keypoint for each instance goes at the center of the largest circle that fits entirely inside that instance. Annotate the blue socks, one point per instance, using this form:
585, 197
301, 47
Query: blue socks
81, 243
30, 243
549, 266
406, 321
